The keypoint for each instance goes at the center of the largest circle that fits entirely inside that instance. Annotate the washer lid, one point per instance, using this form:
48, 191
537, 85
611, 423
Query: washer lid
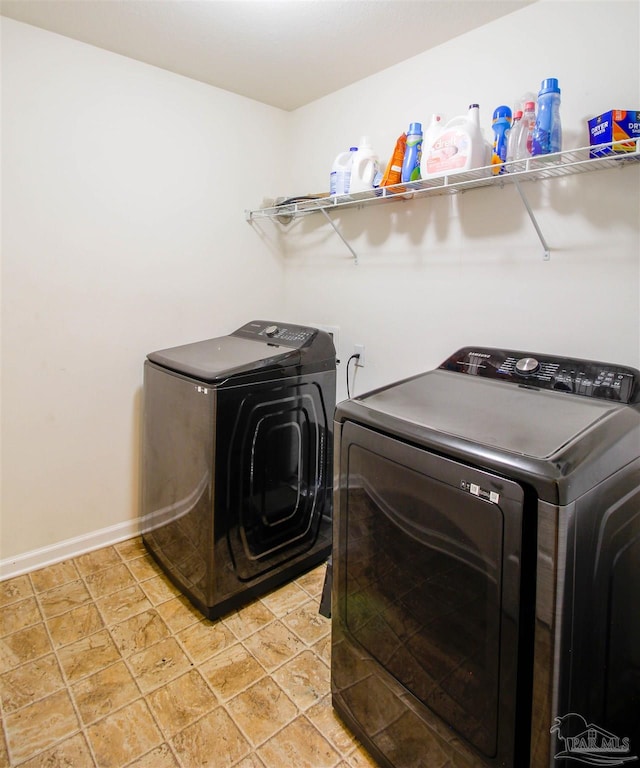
518, 419
220, 358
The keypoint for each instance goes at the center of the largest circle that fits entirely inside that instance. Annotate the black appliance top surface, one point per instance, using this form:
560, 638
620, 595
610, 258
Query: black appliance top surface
515, 419
510, 402
255, 348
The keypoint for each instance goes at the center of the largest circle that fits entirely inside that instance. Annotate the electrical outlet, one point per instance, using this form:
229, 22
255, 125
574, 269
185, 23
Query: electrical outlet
358, 349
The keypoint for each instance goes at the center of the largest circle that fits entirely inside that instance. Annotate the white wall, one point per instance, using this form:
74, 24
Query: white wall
436, 274
124, 189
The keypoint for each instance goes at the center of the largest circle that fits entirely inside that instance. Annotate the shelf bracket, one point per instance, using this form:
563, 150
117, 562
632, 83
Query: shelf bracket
547, 252
337, 231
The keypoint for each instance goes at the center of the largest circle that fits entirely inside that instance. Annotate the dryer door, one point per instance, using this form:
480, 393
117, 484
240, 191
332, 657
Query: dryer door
426, 603
278, 473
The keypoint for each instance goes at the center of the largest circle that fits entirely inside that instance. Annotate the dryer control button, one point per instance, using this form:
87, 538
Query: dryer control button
271, 330
527, 365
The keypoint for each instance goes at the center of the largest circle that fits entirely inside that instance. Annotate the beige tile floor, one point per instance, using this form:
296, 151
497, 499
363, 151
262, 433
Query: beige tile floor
104, 663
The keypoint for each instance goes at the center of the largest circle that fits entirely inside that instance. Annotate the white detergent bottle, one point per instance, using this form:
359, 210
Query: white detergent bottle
459, 147
364, 167
431, 134
341, 173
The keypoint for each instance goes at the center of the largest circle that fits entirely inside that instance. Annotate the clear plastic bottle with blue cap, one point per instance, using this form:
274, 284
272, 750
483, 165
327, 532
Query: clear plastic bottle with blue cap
547, 134
521, 137
525, 144
412, 153
513, 137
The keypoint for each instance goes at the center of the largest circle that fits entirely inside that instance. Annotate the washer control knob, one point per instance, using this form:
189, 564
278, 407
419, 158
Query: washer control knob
271, 330
527, 365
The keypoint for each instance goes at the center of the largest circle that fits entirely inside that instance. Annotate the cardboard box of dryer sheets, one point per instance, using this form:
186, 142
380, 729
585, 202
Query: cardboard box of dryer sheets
614, 126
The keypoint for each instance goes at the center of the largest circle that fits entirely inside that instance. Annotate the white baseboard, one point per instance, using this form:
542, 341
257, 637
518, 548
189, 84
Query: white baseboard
63, 550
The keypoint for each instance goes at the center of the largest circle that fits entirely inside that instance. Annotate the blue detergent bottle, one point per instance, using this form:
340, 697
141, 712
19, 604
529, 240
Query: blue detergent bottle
501, 125
412, 153
547, 134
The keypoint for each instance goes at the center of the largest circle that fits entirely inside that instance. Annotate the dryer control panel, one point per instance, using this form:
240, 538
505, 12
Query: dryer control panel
575, 376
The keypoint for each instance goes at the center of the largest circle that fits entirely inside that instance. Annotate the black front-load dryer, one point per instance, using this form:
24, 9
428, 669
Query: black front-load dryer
486, 564
237, 461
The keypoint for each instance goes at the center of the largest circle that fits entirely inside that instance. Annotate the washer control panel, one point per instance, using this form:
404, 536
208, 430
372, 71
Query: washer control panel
295, 336
587, 378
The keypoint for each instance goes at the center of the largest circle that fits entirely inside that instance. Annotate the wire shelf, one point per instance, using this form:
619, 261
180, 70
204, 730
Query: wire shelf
565, 163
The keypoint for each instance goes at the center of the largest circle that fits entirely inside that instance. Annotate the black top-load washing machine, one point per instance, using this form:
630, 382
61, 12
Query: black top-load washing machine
237, 461
486, 564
